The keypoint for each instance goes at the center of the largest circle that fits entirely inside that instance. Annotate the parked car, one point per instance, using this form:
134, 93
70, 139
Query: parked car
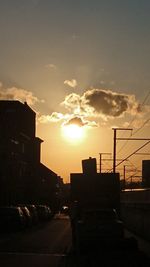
11, 218
33, 212
65, 210
42, 212
27, 215
49, 211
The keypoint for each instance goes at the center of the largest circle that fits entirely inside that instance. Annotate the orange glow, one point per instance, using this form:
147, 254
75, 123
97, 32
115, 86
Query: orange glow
73, 132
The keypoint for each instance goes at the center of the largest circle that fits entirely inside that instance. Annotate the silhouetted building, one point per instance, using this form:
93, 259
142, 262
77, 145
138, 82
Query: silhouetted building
146, 173
16, 117
23, 178
48, 187
17, 134
89, 166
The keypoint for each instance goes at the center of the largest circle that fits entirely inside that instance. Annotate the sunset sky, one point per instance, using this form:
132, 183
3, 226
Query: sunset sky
84, 64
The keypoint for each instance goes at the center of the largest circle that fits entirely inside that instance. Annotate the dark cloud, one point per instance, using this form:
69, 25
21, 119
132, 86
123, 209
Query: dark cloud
99, 102
95, 104
108, 102
76, 120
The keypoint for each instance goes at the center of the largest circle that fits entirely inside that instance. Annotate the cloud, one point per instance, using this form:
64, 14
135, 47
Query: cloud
99, 102
85, 110
80, 121
67, 119
109, 103
92, 124
71, 83
74, 36
51, 66
54, 117
73, 103
76, 120
20, 94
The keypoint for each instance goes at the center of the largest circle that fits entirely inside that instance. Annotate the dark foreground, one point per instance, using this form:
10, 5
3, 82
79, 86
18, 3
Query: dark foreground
49, 244
104, 258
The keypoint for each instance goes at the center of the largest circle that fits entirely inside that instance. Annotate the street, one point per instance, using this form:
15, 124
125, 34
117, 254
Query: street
49, 244
45, 245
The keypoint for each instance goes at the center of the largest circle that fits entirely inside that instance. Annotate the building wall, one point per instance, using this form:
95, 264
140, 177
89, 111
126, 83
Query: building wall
17, 135
135, 211
146, 173
22, 176
16, 118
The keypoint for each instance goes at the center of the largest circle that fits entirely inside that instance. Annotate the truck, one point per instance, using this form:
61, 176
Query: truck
95, 208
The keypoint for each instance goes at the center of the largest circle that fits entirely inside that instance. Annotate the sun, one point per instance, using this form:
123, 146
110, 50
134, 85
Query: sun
73, 132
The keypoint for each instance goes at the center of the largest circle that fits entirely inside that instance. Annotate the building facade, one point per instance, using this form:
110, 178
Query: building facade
23, 178
146, 173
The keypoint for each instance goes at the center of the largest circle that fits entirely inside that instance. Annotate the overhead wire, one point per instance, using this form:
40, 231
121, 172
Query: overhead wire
133, 152
147, 120
144, 123
130, 124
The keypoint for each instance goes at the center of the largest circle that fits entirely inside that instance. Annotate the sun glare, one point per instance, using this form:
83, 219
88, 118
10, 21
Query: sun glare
73, 132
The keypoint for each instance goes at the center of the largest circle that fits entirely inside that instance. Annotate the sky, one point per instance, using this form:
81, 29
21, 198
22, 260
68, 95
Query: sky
83, 63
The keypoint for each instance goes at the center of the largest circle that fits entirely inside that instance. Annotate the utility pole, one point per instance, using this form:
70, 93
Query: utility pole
112, 160
100, 160
114, 150
114, 153
124, 175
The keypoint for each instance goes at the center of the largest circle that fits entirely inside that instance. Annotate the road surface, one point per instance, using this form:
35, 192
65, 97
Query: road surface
42, 246
49, 245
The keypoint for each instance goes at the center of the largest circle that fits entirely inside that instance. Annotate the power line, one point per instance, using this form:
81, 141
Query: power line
114, 150
133, 153
131, 134
141, 126
145, 99
130, 155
